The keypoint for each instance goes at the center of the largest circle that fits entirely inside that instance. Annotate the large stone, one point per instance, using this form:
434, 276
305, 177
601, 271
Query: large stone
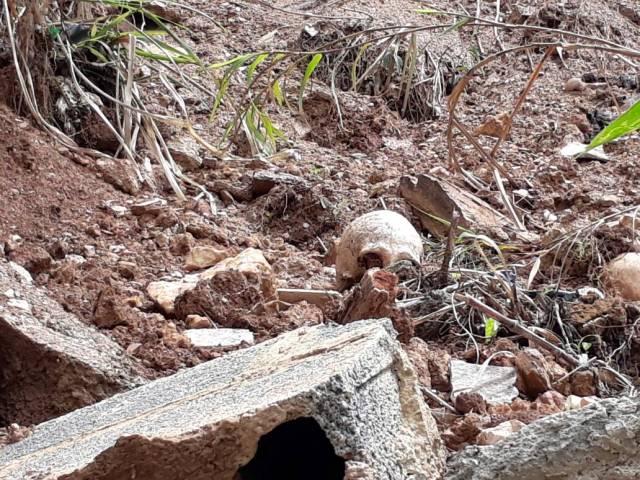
350, 385
50, 362
599, 442
252, 265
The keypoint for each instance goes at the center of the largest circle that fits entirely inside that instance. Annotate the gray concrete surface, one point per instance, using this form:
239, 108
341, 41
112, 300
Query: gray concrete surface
205, 422
599, 442
50, 362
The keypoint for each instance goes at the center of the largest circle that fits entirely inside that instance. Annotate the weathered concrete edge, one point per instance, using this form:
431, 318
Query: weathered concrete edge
14, 454
601, 439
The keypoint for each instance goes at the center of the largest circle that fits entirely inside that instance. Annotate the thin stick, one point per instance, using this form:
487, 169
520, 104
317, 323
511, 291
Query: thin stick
451, 238
489, 159
532, 78
438, 400
515, 327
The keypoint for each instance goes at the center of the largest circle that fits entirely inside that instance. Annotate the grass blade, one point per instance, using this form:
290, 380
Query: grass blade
315, 60
625, 124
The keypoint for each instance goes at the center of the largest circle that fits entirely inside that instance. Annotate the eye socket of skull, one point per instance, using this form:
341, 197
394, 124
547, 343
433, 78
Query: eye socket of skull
370, 260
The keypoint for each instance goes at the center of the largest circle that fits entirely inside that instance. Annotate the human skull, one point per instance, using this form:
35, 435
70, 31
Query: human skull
375, 239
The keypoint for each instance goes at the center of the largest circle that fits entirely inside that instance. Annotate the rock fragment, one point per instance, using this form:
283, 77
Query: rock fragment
34, 259
315, 297
598, 442
186, 152
219, 337
435, 200
120, 173
197, 321
252, 265
532, 372
165, 293
490, 436
264, 180
201, 257
575, 85
495, 384
373, 297
493, 126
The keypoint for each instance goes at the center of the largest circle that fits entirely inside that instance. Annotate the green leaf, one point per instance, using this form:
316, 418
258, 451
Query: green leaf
430, 11
315, 60
490, 328
252, 68
277, 93
54, 32
98, 55
585, 346
356, 64
625, 124
239, 59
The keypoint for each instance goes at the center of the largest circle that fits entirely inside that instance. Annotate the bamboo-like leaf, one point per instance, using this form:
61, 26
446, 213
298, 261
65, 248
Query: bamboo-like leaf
315, 60
486, 240
240, 58
534, 272
625, 124
252, 68
277, 93
430, 11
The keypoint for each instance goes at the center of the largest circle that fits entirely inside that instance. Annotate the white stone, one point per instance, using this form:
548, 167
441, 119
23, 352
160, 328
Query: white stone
77, 259
495, 384
219, 337
22, 272
490, 436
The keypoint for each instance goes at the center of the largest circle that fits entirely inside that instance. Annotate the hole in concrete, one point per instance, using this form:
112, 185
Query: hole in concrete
295, 450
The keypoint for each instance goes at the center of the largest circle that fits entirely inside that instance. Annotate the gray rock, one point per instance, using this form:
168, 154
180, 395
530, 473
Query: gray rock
495, 384
205, 422
599, 442
50, 362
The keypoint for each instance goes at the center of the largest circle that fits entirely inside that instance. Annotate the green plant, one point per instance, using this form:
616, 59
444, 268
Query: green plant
625, 124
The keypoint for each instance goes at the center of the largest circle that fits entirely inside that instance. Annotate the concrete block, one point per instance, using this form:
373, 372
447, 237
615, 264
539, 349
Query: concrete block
598, 442
322, 402
50, 362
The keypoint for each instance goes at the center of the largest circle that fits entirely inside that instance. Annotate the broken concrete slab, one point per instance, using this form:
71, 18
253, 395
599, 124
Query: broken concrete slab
598, 442
353, 382
50, 362
495, 384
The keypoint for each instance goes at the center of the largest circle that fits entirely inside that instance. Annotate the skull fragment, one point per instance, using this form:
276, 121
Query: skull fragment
375, 239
